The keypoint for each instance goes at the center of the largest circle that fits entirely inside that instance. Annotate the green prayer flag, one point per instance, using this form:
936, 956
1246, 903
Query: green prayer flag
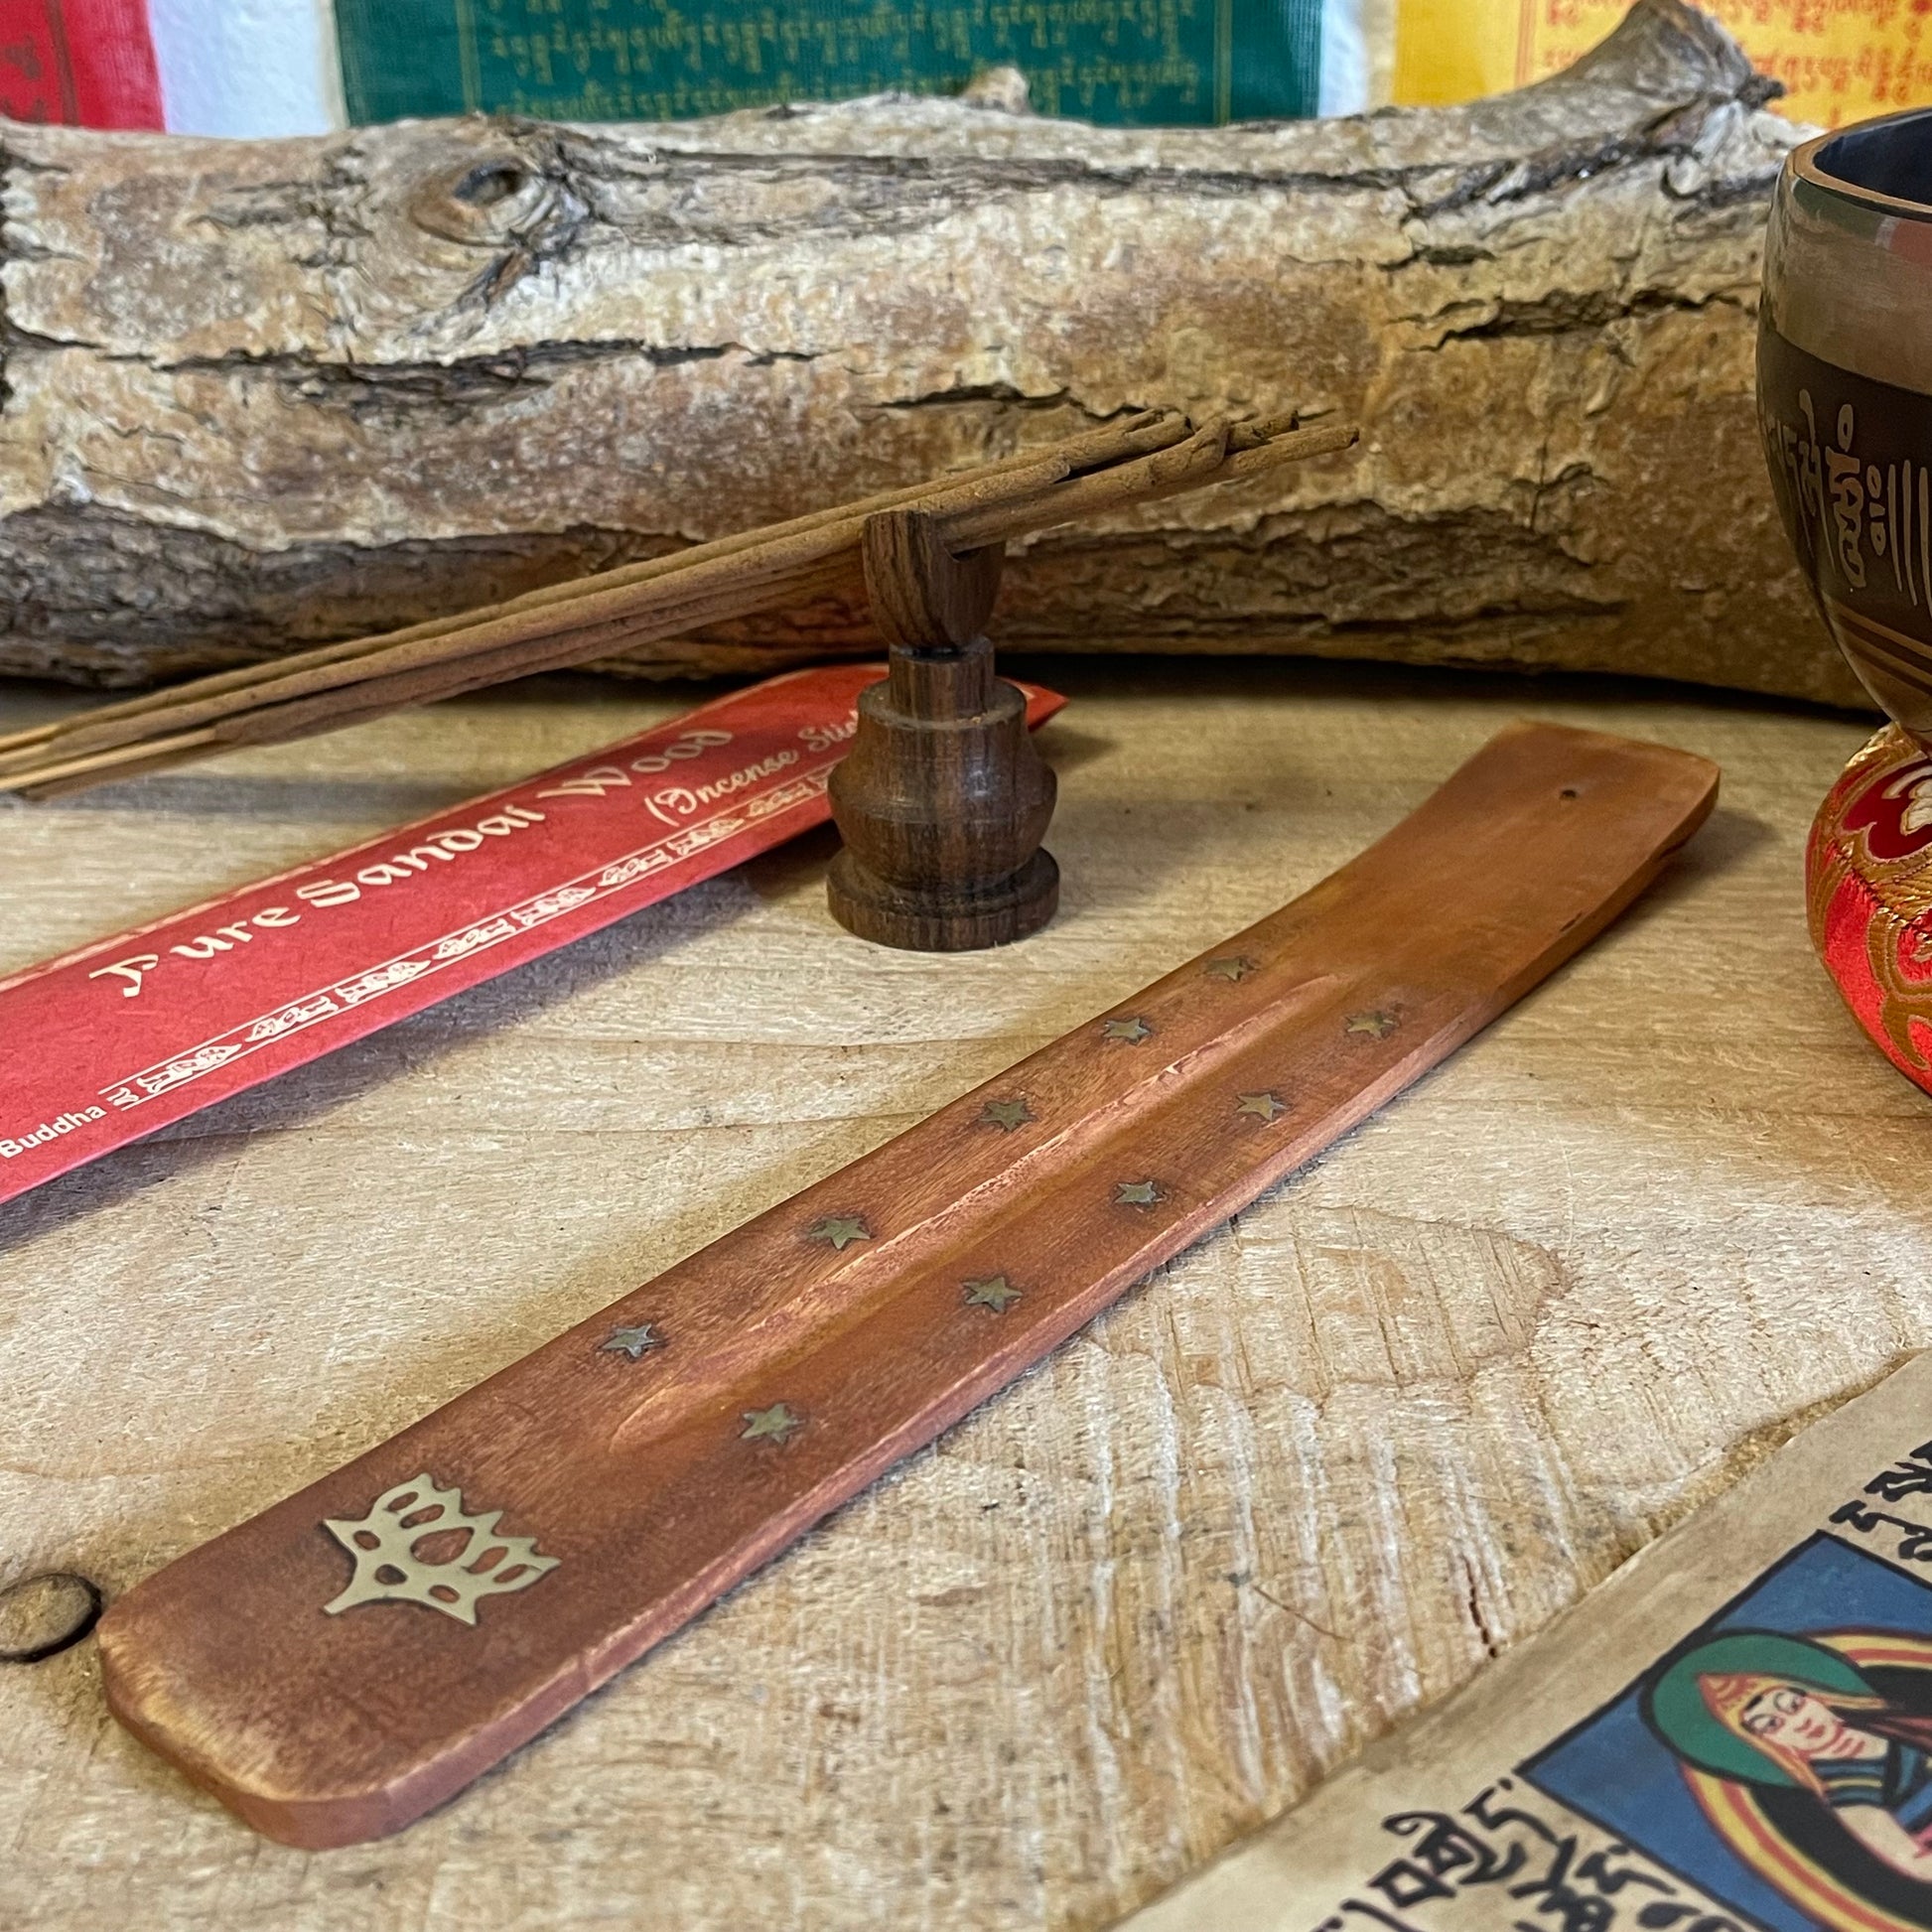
1124, 61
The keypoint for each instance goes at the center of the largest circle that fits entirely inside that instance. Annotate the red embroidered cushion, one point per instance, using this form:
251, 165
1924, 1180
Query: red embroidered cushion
1869, 887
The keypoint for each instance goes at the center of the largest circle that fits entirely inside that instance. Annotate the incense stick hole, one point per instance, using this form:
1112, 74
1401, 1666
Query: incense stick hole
1569, 792
42, 1615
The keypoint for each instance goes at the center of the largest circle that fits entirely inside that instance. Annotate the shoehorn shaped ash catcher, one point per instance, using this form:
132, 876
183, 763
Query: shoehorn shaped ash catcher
355, 1655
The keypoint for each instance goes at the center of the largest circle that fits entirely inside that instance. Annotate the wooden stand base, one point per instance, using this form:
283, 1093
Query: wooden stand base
943, 799
880, 911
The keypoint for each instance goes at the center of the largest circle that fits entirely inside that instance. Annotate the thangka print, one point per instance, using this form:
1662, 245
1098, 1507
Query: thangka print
1780, 1757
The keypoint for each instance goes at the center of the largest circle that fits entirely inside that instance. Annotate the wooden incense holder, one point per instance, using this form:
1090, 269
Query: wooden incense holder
358, 1652
943, 799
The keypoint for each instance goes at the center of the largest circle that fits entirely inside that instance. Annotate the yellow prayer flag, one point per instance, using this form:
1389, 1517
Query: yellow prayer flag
1840, 60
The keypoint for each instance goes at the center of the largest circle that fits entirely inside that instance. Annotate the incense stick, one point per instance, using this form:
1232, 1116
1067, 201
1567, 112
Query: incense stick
1143, 459
1147, 431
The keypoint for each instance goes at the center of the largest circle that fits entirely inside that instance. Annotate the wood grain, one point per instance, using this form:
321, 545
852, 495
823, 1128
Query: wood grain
1312, 1476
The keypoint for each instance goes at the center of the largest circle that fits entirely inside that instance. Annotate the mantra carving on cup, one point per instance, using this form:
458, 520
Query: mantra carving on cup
469, 1559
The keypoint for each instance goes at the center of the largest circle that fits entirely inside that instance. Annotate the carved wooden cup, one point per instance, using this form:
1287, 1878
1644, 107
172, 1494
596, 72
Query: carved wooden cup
943, 799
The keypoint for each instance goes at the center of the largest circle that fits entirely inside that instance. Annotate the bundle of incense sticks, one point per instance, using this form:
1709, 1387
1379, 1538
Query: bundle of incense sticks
1152, 454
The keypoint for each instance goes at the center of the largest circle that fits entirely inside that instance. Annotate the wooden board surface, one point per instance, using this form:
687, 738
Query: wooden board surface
1308, 1478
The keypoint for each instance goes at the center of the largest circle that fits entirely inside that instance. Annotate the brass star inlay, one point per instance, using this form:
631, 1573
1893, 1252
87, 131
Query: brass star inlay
1377, 1025
995, 1292
1006, 1115
1264, 1106
841, 1230
1131, 1031
1137, 1194
1236, 967
776, 1424
633, 1343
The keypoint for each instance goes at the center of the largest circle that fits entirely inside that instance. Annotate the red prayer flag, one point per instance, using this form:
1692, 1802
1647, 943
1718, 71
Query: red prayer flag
81, 63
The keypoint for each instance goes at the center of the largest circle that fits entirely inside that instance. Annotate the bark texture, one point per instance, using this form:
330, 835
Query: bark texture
259, 395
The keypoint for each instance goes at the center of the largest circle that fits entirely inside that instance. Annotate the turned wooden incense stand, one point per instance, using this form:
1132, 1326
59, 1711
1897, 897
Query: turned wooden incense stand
361, 1650
943, 799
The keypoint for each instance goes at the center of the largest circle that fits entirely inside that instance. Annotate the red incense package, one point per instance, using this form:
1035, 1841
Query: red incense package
110, 1043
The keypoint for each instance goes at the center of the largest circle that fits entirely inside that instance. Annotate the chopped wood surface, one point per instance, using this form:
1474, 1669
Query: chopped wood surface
264, 395
1312, 1476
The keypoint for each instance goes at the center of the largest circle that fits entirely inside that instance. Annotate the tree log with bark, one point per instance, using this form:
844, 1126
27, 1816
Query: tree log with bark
260, 395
